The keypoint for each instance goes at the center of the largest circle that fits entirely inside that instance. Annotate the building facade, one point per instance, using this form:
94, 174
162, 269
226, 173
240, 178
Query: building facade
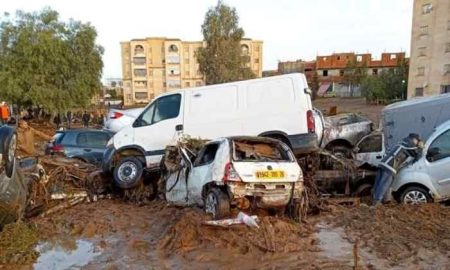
330, 69
429, 72
156, 65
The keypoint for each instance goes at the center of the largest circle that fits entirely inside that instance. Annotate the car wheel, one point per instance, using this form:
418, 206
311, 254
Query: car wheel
341, 151
217, 203
364, 192
415, 195
9, 155
128, 173
297, 209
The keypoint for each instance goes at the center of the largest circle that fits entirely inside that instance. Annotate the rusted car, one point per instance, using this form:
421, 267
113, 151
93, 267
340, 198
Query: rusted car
340, 133
239, 172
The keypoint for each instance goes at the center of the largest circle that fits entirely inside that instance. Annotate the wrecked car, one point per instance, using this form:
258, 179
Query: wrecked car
340, 133
13, 192
427, 179
239, 172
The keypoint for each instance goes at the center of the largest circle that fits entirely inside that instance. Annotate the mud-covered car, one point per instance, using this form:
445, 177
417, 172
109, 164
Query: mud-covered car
239, 172
13, 192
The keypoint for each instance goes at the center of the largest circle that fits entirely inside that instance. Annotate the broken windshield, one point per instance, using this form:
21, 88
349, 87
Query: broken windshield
259, 151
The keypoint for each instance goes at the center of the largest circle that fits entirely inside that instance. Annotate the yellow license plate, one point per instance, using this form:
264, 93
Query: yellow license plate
269, 174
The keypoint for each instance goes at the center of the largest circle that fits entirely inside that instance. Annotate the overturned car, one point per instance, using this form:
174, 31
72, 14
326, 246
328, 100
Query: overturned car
237, 172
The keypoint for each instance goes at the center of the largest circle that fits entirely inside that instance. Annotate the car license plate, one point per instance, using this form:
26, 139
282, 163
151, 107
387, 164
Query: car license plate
269, 174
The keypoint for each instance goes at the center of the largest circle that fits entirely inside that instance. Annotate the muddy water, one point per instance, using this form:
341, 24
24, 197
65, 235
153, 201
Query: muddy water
73, 254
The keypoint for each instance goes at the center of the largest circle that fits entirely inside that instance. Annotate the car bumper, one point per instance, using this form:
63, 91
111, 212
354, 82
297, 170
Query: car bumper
304, 143
107, 159
265, 195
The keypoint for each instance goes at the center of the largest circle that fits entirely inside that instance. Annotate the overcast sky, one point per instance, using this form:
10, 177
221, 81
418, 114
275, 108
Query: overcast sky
290, 29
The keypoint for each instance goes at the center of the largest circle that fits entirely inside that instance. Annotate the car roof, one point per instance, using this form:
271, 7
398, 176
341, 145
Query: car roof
80, 130
243, 138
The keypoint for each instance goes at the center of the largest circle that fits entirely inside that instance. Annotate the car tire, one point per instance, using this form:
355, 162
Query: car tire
365, 193
297, 209
415, 195
9, 154
217, 203
341, 151
128, 173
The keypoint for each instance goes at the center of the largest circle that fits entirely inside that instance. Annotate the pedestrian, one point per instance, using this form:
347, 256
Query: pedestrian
86, 118
4, 113
57, 120
69, 119
404, 153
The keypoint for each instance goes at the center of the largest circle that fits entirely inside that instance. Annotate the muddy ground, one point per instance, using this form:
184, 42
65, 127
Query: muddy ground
114, 234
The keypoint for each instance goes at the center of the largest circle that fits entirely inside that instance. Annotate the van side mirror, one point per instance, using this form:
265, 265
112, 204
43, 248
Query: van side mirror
433, 153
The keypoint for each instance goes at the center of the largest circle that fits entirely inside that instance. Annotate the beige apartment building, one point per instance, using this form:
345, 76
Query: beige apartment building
155, 65
429, 70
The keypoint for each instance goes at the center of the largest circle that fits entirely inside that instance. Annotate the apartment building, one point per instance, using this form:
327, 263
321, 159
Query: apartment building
429, 70
155, 65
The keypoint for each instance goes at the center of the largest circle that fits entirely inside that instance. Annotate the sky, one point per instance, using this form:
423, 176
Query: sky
290, 29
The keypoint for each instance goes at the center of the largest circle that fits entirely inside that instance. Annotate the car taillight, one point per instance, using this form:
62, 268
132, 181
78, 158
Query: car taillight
57, 148
116, 115
230, 174
310, 121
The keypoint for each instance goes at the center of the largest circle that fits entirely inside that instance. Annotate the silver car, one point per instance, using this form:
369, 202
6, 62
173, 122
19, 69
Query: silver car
428, 179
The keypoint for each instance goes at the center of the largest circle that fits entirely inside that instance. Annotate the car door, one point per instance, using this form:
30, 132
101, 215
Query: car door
158, 126
201, 172
176, 184
96, 145
370, 149
438, 161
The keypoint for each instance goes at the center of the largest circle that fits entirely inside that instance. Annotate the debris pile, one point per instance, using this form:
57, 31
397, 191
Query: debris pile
274, 235
17, 241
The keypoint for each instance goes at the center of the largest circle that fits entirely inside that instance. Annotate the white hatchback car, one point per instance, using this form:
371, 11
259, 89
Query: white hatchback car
238, 172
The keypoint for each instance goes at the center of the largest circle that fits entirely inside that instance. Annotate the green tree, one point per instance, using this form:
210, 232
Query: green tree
222, 60
354, 73
47, 62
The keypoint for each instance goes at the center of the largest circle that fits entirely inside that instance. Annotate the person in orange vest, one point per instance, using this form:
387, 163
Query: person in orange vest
4, 113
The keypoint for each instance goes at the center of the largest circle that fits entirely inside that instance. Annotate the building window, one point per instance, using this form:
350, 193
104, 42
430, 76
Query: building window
338, 58
341, 73
420, 71
325, 73
187, 84
173, 59
375, 71
422, 51
419, 92
256, 60
140, 84
359, 58
141, 95
324, 59
445, 89
393, 57
447, 47
140, 72
427, 8
139, 49
139, 60
424, 30
198, 83
244, 49
173, 48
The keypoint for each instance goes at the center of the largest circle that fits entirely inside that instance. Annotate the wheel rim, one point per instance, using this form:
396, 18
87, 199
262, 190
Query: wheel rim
210, 204
415, 197
127, 171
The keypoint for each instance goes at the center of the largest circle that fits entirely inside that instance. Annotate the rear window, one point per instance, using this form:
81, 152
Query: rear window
93, 139
259, 151
57, 138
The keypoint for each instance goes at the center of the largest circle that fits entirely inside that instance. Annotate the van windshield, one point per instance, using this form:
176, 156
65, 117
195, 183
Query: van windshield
259, 151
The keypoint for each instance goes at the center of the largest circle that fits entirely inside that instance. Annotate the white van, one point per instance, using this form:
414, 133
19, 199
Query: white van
277, 107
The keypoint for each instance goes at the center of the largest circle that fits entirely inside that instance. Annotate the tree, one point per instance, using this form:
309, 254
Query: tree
389, 85
46, 62
222, 60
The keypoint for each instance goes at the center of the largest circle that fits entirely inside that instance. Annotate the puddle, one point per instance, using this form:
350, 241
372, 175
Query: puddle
69, 255
332, 244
